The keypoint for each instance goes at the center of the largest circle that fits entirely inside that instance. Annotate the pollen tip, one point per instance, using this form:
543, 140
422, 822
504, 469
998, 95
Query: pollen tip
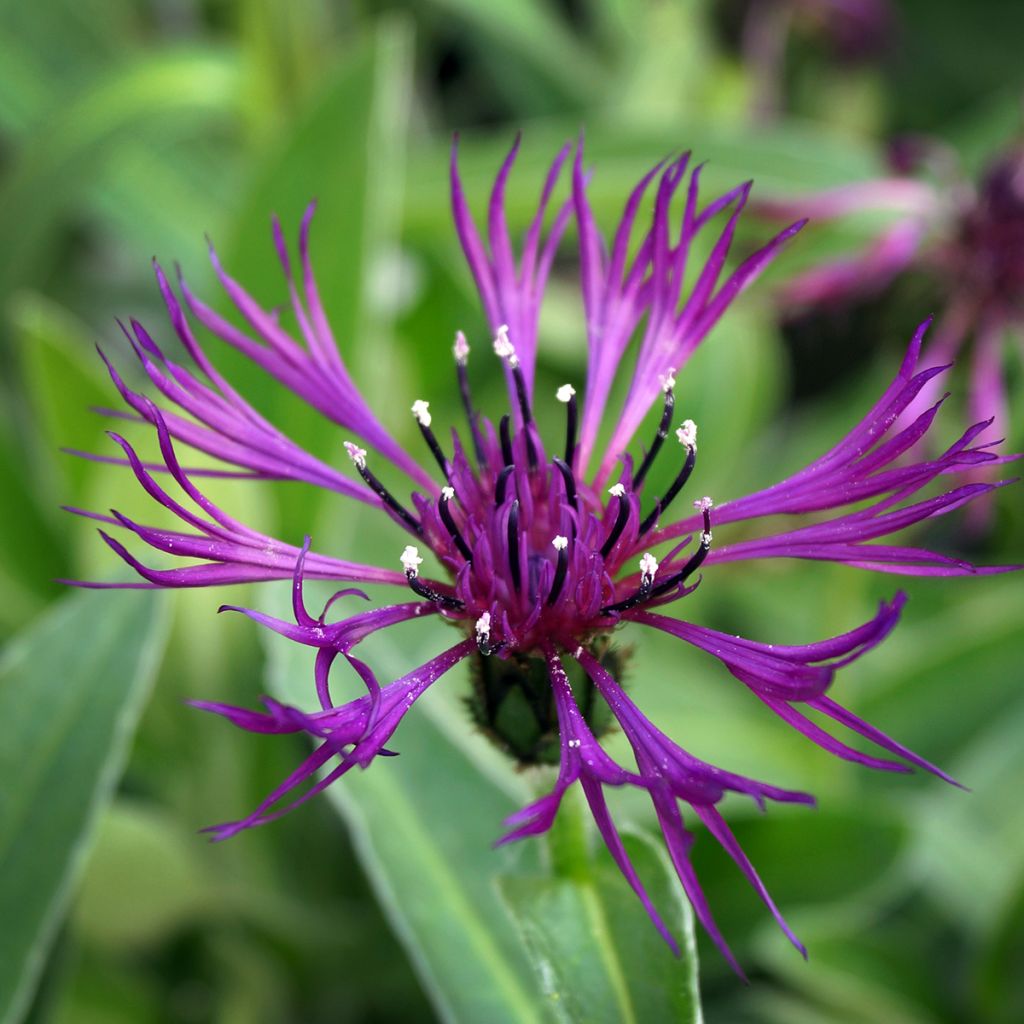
560, 543
704, 504
617, 490
461, 348
648, 566
356, 454
421, 410
687, 434
668, 380
483, 628
565, 393
503, 348
411, 561
447, 493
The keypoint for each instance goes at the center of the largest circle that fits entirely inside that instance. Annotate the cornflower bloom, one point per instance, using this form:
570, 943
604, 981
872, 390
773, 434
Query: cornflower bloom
969, 239
546, 546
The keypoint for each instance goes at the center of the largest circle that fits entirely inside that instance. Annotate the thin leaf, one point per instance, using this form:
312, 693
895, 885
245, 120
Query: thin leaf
595, 951
71, 691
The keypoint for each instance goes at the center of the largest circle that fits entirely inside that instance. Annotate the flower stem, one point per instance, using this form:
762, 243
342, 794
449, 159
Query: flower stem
568, 847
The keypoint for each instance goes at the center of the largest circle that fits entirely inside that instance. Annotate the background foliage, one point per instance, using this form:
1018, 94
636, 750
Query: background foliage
130, 128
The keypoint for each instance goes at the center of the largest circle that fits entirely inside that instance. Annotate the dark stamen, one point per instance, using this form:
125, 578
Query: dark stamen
620, 525
648, 590
429, 594
527, 412
659, 439
423, 421
692, 565
513, 544
505, 433
501, 485
561, 568
461, 352
486, 648
570, 481
446, 517
661, 504
572, 416
358, 457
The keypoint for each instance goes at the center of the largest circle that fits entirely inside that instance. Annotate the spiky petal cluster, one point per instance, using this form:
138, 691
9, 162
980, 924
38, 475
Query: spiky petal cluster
542, 557
969, 238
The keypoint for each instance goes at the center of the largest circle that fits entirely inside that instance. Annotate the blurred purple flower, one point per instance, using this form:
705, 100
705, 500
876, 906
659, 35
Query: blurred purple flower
542, 555
967, 238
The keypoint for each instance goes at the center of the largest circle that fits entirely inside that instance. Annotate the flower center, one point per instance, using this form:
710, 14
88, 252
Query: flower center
989, 249
536, 554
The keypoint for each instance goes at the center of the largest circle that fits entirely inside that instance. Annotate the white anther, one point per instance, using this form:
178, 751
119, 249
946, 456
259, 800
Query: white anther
356, 454
460, 349
421, 410
483, 628
617, 490
704, 504
705, 538
648, 567
565, 392
668, 380
687, 435
560, 543
411, 561
447, 493
503, 348
574, 743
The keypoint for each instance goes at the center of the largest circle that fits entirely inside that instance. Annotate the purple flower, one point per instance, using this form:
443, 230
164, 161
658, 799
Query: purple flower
546, 545
969, 239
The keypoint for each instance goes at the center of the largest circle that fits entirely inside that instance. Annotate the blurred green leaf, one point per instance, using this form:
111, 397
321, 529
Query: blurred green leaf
49, 173
30, 555
348, 153
286, 48
61, 377
143, 881
857, 970
423, 825
597, 955
71, 691
48, 50
968, 850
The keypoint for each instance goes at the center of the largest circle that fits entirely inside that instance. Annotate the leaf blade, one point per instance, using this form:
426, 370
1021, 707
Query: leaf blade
65, 737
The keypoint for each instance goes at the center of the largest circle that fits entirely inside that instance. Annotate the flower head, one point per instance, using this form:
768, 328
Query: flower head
968, 238
542, 557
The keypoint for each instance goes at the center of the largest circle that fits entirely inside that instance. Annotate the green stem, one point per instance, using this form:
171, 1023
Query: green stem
568, 844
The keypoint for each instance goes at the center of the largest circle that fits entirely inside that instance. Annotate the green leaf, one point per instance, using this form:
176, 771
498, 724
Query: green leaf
71, 691
144, 881
48, 175
965, 841
347, 151
423, 825
596, 953
62, 377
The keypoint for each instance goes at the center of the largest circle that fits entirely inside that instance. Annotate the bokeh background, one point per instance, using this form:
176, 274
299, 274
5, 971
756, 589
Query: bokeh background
133, 128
